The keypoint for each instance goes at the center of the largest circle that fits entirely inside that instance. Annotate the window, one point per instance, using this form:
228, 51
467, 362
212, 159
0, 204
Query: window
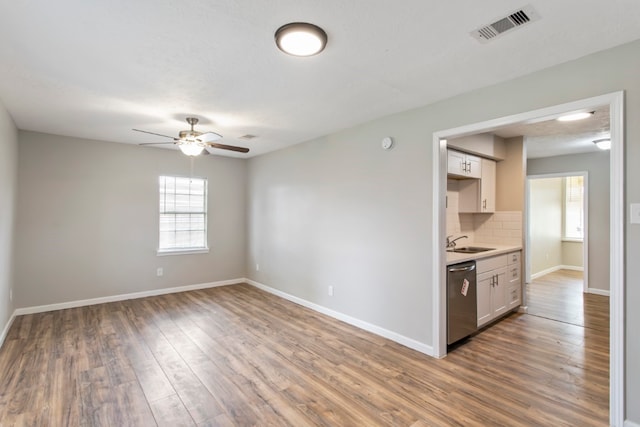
573, 208
183, 214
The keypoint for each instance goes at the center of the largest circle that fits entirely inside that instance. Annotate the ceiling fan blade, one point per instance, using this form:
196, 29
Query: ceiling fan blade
228, 147
209, 137
205, 152
158, 134
156, 143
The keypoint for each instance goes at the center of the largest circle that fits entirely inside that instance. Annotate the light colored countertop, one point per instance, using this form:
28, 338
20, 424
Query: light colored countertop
454, 258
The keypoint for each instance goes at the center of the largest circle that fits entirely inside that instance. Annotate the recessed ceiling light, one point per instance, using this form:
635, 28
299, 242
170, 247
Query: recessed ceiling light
301, 39
575, 116
603, 144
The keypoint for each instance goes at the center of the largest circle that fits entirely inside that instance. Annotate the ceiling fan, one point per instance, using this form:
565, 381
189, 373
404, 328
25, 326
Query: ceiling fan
193, 143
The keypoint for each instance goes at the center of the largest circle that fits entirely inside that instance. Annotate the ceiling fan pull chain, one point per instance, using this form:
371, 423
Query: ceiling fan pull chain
191, 171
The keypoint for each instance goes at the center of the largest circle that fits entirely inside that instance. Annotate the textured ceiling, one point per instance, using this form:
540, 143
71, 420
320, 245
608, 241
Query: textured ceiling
96, 69
555, 138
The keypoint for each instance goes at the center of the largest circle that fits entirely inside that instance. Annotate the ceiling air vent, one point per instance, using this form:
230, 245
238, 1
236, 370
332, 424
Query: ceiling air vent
503, 25
248, 136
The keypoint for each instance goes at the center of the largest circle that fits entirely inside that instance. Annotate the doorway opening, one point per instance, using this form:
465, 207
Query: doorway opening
616, 229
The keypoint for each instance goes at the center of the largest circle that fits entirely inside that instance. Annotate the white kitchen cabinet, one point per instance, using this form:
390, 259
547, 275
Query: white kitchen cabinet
498, 290
514, 276
479, 196
488, 186
463, 165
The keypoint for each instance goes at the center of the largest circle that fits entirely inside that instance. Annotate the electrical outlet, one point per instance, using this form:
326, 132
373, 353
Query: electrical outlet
257, 267
330, 291
159, 271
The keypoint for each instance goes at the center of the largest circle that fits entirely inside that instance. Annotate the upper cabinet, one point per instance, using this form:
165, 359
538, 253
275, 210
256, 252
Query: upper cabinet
463, 165
479, 196
488, 186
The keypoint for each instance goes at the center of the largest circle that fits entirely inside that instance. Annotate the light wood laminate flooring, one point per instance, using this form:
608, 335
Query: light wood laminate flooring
237, 356
560, 296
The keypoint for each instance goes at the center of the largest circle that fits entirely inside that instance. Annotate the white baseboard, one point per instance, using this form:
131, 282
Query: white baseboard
628, 423
385, 333
604, 292
122, 297
5, 331
556, 268
595, 291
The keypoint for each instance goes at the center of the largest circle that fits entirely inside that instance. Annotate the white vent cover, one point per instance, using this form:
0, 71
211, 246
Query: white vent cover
505, 24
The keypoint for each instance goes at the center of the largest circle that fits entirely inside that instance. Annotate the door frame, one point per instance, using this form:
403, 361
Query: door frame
527, 234
615, 100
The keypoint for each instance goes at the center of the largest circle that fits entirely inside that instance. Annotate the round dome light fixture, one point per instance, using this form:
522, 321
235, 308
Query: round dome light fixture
575, 116
301, 39
191, 148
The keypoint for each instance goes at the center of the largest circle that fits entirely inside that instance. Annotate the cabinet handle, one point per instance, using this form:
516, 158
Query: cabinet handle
469, 167
484, 204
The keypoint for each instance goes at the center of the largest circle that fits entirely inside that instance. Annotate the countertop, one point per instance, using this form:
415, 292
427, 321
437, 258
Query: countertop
454, 258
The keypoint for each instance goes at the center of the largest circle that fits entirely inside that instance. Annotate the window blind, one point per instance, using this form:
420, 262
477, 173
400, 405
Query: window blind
183, 213
573, 207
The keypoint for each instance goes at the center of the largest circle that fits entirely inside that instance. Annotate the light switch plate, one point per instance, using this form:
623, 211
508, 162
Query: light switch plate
634, 213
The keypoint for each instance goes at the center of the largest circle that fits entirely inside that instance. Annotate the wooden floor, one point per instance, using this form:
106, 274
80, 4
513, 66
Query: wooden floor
236, 356
560, 296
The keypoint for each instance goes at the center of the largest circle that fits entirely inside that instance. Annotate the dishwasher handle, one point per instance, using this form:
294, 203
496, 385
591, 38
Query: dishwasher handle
458, 269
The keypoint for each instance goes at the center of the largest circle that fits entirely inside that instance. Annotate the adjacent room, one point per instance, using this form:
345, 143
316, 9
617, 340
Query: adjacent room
304, 213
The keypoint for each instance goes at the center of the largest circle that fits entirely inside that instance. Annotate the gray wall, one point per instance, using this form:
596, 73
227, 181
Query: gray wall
597, 165
340, 211
545, 224
8, 185
87, 220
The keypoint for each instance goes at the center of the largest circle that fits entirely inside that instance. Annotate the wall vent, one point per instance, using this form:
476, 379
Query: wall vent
505, 24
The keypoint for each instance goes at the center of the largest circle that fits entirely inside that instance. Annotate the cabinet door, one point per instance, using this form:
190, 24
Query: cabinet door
484, 288
488, 186
499, 298
474, 166
456, 163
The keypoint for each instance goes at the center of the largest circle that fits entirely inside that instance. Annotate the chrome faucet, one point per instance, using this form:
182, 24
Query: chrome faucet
452, 243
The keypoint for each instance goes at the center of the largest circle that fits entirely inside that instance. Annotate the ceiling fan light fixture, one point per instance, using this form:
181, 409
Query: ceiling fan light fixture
191, 148
301, 39
575, 116
603, 144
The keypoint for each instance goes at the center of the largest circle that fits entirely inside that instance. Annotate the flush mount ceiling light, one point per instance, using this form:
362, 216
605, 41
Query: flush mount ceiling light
301, 39
603, 144
575, 116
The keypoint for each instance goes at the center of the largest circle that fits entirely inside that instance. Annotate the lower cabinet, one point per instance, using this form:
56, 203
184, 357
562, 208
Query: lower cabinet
499, 286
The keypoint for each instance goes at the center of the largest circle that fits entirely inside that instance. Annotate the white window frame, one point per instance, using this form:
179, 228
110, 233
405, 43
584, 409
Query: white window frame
165, 210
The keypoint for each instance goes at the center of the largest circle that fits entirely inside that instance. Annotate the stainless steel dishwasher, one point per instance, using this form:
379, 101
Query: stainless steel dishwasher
462, 312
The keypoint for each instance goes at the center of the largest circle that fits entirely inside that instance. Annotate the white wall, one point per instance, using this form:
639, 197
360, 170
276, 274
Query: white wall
572, 254
597, 165
545, 223
87, 220
8, 184
340, 211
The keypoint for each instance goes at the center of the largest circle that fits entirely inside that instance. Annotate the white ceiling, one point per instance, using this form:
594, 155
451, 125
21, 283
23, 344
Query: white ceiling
554, 138
96, 70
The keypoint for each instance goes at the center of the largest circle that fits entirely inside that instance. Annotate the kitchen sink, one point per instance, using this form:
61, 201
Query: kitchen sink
470, 250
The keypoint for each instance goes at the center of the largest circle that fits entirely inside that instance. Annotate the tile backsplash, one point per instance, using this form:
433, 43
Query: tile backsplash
499, 227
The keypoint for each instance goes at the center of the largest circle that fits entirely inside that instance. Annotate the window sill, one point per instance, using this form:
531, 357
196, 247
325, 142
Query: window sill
167, 252
572, 240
